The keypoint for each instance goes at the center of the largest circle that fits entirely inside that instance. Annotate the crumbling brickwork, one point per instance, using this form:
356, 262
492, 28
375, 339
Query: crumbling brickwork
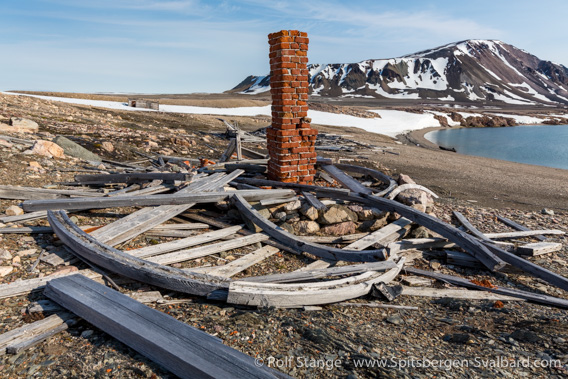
290, 139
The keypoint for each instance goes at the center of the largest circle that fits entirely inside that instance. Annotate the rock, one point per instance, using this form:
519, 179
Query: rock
47, 149
292, 206
14, 210
35, 165
309, 212
75, 150
420, 232
459, 338
27, 253
558, 340
107, 146
287, 227
548, 212
4, 143
151, 144
366, 213
87, 333
395, 319
340, 229
306, 227
5, 270
405, 179
336, 214
524, 335
24, 125
16, 261
416, 199
5, 254
372, 225
281, 216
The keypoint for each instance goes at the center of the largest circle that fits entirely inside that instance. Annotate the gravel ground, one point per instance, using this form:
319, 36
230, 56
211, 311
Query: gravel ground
444, 338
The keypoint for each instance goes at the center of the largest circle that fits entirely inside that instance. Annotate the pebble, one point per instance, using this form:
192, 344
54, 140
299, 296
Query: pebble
87, 333
395, 319
548, 212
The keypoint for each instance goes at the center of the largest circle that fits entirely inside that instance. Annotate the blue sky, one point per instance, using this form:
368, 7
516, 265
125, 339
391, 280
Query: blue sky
185, 46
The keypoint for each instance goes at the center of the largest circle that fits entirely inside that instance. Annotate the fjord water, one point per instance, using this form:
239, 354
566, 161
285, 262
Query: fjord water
543, 145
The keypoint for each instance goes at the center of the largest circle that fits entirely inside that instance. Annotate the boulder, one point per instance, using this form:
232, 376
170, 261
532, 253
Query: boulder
14, 210
309, 212
292, 206
75, 150
47, 149
405, 179
372, 225
107, 146
340, 229
303, 228
24, 125
337, 213
366, 213
416, 199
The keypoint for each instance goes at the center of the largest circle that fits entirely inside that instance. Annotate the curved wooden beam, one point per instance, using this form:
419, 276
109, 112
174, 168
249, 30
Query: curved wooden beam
297, 294
299, 244
124, 264
372, 173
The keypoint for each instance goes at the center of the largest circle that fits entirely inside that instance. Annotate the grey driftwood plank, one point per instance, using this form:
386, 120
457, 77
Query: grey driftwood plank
31, 193
525, 233
314, 201
345, 180
145, 219
391, 184
134, 177
383, 236
202, 251
455, 293
473, 230
517, 226
182, 349
150, 200
539, 248
25, 336
455, 280
241, 264
113, 260
24, 217
305, 275
167, 247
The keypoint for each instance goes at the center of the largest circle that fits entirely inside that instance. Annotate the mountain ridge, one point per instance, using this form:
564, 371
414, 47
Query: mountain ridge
488, 72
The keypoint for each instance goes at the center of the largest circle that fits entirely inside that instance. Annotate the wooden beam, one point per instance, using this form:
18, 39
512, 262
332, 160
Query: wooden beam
229, 151
529, 296
239, 265
31, 193
527, 233
182, 349
473, 230
539, 248
203, 251
517, 226
382, 236
167, 247
439, 293
29, 335
306, 275
133, 177
391, 184
151, 200
345, 180
314, 201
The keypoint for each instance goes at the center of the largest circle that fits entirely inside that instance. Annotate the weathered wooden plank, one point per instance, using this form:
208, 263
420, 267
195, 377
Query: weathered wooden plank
170, 233
287, 238
239, 265
539, 248
133, 177
289, 295
424, 243
25, 336
182, 226
184, 243
32, 193
202, 251
27, 230
306, 275
314, 201
383, 236
252, 153
25, 286
391, 184
462, 259
122, 191
517, 226
145, 219
319, 264
526, 233
333, 239
229, 150
377, 305
182, 349
24, 217
150, 200
529, 296
268, 202
345, 180
465, 222
455, 294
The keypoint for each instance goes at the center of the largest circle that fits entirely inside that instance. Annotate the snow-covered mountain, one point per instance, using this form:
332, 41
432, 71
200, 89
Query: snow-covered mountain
479, 71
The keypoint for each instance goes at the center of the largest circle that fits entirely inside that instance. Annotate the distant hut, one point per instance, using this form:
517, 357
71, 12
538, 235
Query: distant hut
144, 103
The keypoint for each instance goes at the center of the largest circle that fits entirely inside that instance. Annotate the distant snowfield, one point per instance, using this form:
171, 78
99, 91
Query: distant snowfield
391, 123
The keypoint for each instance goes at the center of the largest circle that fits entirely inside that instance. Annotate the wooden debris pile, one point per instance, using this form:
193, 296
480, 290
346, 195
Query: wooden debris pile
221, 232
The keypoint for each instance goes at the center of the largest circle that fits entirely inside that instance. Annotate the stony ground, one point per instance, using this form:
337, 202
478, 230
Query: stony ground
453, 338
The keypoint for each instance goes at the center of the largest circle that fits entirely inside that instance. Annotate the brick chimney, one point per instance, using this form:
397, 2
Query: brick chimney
290, 138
